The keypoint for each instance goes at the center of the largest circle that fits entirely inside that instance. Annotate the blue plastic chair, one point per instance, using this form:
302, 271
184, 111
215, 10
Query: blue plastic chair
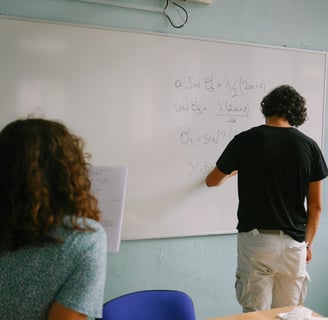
150, 305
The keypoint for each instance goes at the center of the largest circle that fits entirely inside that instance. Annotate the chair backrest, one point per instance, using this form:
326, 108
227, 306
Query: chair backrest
150, 305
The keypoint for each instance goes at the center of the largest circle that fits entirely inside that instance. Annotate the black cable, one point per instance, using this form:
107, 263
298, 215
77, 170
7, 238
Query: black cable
180, 7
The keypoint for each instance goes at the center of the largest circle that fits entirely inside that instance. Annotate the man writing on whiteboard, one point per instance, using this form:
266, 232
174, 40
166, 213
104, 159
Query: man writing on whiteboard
278, 169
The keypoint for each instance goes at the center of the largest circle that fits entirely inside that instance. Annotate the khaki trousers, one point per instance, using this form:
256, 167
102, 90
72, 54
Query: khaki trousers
271, 271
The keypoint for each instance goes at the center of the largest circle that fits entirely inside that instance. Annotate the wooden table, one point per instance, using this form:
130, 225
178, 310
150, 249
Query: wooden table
260, 315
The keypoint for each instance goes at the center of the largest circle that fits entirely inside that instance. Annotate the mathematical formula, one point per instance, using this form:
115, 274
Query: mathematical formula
227, 98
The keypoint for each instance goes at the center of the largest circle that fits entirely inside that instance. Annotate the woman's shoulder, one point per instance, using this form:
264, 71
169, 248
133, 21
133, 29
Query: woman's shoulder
97, 226
88, 233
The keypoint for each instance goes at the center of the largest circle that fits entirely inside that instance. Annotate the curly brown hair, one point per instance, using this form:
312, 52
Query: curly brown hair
44, 177
284, 101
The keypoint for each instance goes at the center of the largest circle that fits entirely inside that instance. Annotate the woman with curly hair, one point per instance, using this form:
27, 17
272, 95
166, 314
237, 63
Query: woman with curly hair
52, 246
279, 168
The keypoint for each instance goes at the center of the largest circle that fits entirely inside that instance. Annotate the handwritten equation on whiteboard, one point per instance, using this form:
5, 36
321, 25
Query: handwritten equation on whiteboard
210, 110
108, 184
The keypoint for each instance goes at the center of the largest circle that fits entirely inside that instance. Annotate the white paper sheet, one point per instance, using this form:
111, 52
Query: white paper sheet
109, 186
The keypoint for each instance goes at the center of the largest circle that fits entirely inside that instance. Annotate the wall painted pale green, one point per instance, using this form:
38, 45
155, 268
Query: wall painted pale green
202, 266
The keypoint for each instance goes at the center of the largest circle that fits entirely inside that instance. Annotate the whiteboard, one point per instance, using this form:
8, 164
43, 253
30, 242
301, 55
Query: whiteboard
162, 106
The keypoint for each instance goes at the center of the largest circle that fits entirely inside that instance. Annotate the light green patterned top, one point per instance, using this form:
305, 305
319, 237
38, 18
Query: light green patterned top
72, 273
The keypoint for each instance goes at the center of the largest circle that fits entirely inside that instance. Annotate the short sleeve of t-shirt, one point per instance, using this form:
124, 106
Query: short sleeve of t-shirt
228, 161
84, 288
320, 169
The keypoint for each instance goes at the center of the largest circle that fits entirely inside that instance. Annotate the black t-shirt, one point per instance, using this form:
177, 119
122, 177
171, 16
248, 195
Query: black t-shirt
275, 166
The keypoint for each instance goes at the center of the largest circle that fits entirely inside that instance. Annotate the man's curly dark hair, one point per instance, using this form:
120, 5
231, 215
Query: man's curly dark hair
44, 179
284, 101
